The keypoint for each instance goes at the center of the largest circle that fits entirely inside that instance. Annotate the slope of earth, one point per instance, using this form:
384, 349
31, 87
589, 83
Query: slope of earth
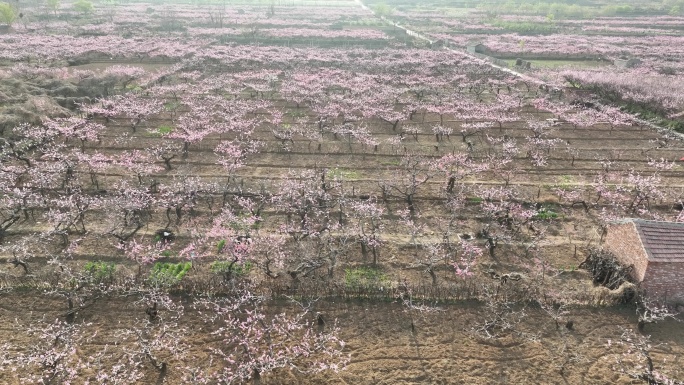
384, 348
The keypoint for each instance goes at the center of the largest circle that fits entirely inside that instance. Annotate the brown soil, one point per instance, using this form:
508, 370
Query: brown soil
441, 348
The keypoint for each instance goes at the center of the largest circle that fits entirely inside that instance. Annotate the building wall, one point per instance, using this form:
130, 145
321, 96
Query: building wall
623, 241
663, 281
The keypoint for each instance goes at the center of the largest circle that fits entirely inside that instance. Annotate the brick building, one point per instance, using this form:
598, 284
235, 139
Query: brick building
476, 47
656, 250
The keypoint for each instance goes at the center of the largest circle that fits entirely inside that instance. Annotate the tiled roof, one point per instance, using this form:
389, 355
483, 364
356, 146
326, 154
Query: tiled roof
663, 241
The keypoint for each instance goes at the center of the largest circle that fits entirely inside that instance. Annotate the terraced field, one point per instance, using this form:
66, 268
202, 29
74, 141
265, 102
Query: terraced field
234, 193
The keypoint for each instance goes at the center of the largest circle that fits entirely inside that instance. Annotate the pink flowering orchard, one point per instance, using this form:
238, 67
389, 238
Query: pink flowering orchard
335, 192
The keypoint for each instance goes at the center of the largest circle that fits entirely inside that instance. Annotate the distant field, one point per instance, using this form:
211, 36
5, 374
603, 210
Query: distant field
562, 63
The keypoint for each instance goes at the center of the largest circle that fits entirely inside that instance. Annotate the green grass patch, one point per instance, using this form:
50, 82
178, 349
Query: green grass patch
546, 214
653, 116
565, 182
167, 253
365, 277
552, 64
134, 88
236, 269
393, 162
296, 114
100, 271
338, 173
525, 27
652, 113
164, 129
171, 106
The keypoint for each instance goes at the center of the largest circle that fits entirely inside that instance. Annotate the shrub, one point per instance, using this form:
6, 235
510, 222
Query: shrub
383, 9
8, 14
221, 244
169, 274
605, 269
83, 6
53, 5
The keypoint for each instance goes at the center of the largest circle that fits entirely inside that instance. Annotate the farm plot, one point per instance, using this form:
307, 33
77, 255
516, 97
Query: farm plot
384, 349
483, 138
629, 57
